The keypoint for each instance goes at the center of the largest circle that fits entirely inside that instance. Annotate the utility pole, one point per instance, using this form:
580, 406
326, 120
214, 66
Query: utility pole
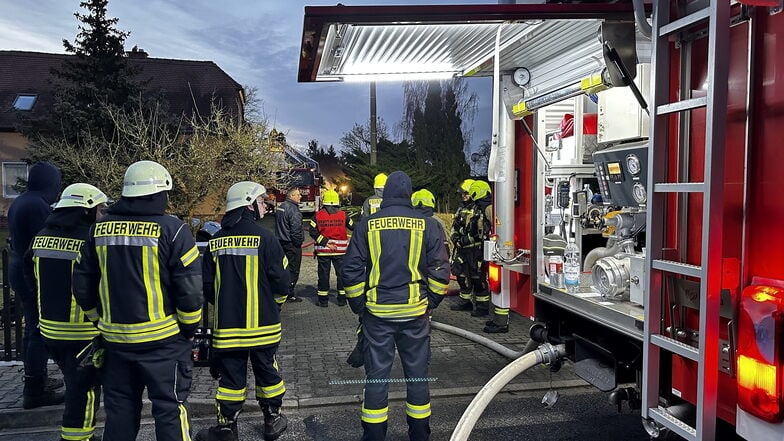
373, 131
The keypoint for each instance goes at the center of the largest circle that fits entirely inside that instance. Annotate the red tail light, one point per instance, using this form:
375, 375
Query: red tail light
494, 277
760, 352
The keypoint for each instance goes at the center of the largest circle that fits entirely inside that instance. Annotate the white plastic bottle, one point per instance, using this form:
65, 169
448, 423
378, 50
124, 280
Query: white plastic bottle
572, 266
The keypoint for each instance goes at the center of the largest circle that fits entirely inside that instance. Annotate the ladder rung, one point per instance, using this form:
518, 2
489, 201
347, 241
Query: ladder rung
679, 187
676, 347
685, 269
660, 415
684, 22
680, 106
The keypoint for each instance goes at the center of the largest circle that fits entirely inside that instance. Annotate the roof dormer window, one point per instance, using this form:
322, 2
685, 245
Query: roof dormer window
25, 101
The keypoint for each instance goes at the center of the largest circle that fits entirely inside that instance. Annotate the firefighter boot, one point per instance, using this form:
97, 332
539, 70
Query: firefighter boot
35, 394
221, 432
341, 300
462, 305
274, 422
494, 328
482, 309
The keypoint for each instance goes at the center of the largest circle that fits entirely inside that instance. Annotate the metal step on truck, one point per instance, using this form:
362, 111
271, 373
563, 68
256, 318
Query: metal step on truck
650, 132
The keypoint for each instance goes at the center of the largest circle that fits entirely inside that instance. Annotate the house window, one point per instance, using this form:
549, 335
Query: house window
25, 102
12, 173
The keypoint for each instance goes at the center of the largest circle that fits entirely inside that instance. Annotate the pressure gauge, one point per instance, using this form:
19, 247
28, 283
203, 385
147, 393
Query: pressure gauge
633, 164
639, 193
521, 76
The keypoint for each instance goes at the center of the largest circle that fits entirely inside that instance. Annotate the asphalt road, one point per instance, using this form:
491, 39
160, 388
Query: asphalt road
580, 414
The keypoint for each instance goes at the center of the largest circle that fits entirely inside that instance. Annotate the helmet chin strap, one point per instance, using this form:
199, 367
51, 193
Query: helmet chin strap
256, 212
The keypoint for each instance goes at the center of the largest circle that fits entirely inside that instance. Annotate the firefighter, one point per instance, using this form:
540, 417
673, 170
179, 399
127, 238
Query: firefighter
395, 271
424, 202
373, 203
26, 217
245, 277
288, 228
328, 228
139, 276
63, 325
473, 229
461, 256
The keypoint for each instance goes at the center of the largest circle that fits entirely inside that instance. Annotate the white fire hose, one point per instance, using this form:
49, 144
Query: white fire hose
546, 353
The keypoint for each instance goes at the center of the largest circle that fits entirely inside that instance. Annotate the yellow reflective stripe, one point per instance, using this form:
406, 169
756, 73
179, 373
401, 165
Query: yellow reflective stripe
465, 296
103, 289
319, 238
259, 331
189, 318
185, 429
139, 332
227, 394
152, 282
76, 433
190, 256
66, 326
482, 298
312, 223
76, 312
374, 243
271, 391
92, 314
154, 325
436, 286
222, 343
374, 416
397, 310
285, 262
89, 410
412, 269
65, 335
355, 290
323, 293
280, 298
501, 311
217, 285
418, 411
251, 291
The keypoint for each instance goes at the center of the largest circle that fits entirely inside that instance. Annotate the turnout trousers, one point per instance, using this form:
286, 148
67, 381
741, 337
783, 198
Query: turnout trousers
325, 263
412, 339
471, 273
294, 256
34, 350
82, 391
233, 367
166, 371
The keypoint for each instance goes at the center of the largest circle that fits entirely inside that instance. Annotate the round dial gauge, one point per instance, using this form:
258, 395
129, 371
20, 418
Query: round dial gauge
633, 164
521, 76
639, 193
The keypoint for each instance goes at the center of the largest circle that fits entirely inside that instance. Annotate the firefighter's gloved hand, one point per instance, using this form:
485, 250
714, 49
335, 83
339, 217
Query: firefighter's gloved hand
357, 357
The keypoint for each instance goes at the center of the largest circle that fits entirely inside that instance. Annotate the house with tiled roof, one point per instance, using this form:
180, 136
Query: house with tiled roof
27, 90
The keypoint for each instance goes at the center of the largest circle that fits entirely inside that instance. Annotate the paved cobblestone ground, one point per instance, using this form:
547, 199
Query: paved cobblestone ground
317, 341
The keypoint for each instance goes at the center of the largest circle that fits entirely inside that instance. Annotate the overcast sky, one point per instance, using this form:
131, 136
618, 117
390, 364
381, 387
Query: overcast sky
257, 42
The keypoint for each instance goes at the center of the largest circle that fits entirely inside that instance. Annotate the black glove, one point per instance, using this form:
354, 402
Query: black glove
188, 330
357, 357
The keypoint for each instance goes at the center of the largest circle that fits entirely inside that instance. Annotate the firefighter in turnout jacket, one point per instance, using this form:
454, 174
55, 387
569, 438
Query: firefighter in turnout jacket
139, 276
424, 202
328, 228
395, 271
63, 325
373, 203
470, 228
245, 277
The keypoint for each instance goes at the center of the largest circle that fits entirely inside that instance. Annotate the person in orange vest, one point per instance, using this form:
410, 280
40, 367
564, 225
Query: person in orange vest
329, 229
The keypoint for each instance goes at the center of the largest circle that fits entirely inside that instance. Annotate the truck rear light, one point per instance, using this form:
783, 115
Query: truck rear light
759, 358
494, 277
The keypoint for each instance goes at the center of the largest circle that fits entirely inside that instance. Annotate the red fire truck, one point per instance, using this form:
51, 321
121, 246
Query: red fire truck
680, 307
304, 175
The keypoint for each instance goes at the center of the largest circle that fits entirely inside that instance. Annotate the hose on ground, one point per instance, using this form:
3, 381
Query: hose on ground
546, 353
484, 341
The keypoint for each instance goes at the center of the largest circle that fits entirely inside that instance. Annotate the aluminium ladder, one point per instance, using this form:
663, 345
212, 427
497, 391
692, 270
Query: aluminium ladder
708, 272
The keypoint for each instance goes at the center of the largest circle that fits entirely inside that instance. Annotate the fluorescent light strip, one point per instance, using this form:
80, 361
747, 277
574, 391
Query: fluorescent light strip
408, 76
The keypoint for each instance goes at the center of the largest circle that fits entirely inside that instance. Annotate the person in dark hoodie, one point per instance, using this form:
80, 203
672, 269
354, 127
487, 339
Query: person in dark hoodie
329, 230
396, 269
245, 278
288, 229
26, 217
139, 277
65, 328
